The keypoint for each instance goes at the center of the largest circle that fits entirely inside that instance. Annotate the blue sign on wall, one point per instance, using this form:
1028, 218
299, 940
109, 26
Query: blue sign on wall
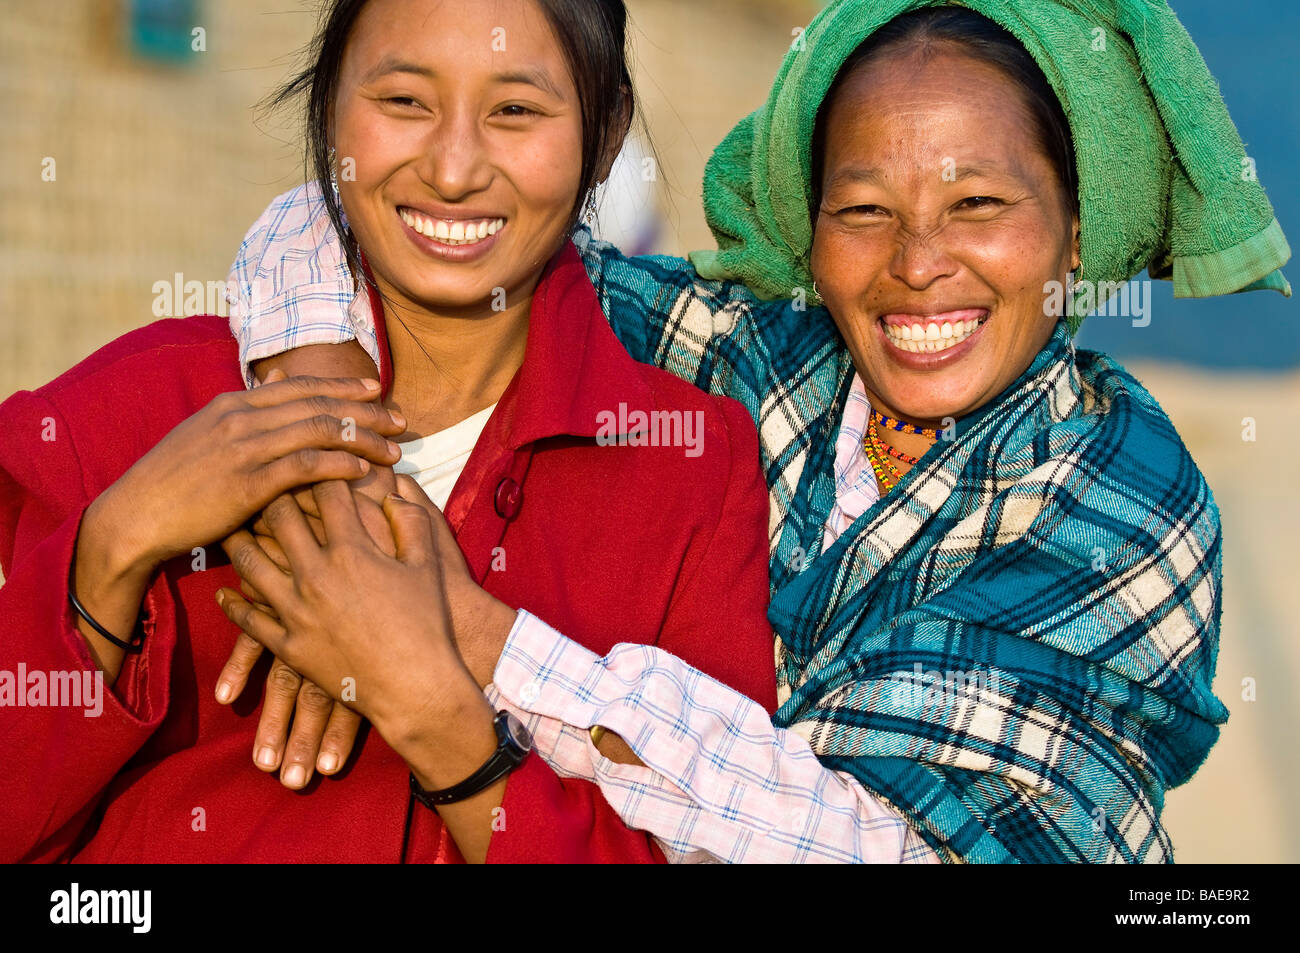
163, 29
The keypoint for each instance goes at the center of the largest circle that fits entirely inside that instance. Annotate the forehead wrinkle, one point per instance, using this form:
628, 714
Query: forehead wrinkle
916, 82
917, 148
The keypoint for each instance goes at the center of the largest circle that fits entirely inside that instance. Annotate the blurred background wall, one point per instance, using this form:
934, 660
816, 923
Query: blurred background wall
128, 156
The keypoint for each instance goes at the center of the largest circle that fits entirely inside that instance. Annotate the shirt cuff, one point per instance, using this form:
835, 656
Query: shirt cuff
551, 681
302, 315
546, 673
533, 652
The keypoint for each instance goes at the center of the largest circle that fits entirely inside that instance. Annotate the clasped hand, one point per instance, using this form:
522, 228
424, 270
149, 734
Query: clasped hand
355, 601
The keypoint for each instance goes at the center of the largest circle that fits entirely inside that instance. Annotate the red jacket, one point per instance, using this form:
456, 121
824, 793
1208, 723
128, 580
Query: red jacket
608, 544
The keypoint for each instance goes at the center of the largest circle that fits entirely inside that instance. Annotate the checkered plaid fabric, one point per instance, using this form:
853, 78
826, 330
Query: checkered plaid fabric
1014, 648
290, 284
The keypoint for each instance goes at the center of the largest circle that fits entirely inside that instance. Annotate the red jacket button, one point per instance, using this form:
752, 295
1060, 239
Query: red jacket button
509, 496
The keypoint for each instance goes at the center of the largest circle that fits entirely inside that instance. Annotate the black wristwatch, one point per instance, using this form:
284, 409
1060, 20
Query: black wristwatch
513, 744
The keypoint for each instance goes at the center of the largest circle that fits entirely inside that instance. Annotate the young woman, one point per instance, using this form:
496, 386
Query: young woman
996, 568
499, 377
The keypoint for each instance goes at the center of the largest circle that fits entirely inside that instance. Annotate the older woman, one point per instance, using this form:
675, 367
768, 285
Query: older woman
995, 568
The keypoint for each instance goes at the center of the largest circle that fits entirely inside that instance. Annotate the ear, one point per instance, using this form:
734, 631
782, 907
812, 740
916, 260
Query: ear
614, 146
1075, 248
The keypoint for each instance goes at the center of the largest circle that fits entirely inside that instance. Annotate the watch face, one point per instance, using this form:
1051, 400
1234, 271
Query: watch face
518, 733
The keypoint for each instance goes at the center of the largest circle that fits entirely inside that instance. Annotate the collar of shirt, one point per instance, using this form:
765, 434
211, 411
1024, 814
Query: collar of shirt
856, 490
575, 372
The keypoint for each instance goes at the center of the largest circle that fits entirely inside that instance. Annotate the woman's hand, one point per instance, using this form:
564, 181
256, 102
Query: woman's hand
296, 729
371, 629
375, 630
481, 623
209, 475
228, 461
301, 729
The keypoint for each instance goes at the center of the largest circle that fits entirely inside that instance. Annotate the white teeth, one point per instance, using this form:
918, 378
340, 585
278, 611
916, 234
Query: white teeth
931, 338
452, 233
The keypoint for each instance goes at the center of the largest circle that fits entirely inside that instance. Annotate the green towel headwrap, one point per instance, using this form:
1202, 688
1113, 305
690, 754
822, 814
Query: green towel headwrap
1164, 180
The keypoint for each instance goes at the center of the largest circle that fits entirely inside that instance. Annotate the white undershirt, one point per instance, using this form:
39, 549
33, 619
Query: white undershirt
436, 461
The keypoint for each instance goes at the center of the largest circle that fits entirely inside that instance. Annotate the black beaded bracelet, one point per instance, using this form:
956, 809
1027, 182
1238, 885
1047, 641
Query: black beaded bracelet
133, 647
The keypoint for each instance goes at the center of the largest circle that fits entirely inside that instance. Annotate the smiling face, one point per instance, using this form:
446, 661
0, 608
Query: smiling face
466, 144
941, 220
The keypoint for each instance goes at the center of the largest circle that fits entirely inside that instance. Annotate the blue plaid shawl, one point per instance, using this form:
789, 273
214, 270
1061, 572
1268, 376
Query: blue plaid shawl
1015, 646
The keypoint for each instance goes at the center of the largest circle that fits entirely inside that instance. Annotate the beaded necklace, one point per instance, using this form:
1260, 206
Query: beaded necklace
879, 452
893, 423
887, 474
893, 451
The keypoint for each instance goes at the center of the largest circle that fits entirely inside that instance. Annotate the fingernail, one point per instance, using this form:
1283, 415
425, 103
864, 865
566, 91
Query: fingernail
327, 762
370, 383
398, 419
296, 776
224, 691
394, 448
397, 497
266, 756
221, 598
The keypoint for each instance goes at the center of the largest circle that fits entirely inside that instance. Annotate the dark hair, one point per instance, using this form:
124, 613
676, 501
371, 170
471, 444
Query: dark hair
592, 33
983, 40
